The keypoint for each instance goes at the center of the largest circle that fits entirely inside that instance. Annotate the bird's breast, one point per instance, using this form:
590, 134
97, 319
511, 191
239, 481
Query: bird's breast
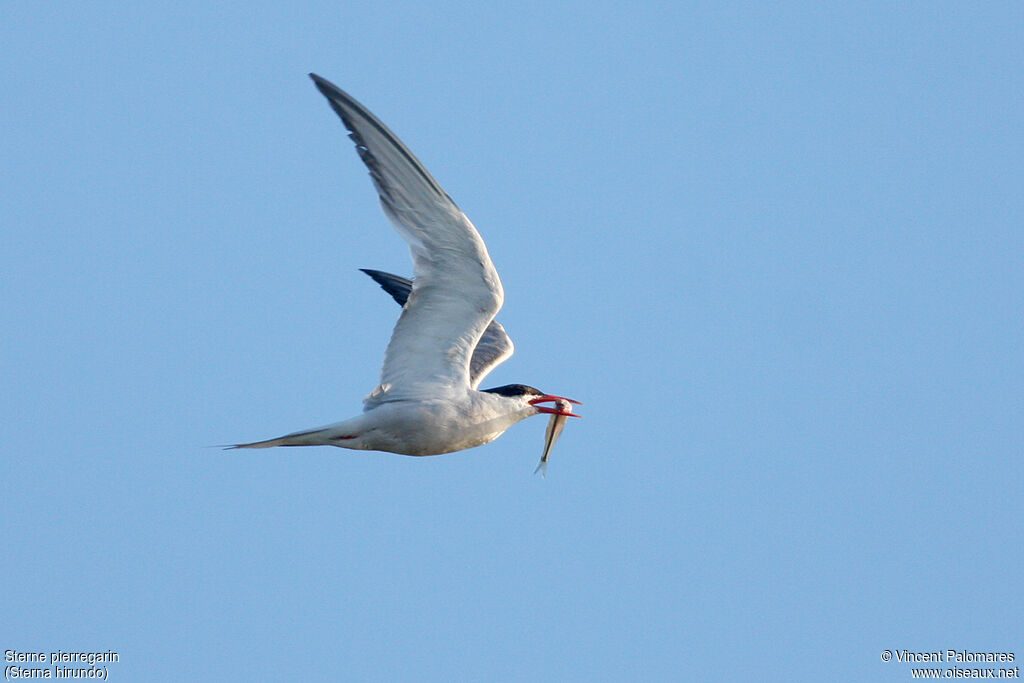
428, 428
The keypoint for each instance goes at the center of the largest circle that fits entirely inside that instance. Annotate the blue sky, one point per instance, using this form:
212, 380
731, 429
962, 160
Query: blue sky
776, 250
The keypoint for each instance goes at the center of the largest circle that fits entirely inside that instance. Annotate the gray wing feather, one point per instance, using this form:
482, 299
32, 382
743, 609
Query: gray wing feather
494, 347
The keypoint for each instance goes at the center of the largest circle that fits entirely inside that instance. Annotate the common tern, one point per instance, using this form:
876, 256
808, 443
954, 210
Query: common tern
446, 339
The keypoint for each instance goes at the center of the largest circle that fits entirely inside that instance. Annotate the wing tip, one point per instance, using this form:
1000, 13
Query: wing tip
328, 89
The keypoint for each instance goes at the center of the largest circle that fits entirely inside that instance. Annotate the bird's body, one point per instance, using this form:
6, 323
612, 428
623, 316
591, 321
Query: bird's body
446, 339
430, 426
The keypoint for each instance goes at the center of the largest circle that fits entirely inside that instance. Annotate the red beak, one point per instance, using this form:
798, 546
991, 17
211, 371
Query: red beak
554, 411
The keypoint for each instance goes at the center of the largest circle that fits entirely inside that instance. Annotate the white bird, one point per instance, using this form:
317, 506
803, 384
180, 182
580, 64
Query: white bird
446, 339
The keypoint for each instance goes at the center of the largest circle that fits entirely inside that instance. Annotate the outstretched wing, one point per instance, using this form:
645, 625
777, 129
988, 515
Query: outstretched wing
494, 347
456, 291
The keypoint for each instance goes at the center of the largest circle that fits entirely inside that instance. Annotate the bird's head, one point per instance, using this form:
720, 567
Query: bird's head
528, 402
531, 397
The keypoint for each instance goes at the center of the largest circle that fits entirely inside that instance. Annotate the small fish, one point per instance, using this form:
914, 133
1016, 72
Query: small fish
554, 430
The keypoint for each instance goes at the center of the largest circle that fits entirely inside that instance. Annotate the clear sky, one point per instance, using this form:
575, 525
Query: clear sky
776, 249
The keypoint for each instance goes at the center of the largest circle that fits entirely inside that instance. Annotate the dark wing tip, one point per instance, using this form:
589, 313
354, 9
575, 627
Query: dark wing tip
323, 85
395, 285
321, 81
333, 94
361, 123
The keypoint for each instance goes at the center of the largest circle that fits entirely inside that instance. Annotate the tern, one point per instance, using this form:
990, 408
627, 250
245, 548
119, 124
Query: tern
446, 339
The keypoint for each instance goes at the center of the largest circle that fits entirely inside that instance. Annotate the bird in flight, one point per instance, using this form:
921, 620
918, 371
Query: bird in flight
446, 339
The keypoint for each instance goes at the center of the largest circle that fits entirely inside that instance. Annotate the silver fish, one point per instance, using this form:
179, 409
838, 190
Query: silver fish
554, 430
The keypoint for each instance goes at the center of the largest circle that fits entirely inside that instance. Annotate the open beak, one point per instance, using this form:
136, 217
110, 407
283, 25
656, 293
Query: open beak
560, 407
